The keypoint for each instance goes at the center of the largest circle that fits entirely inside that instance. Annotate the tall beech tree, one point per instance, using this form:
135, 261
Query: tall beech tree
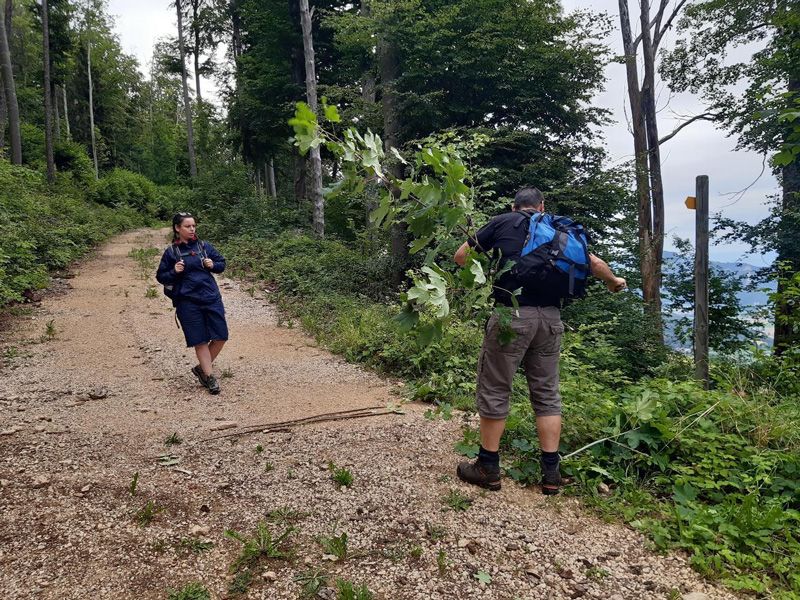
48, 97
9, 88
187, 105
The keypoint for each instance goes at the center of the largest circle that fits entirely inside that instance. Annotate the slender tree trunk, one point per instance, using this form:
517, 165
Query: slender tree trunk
318, 201
66, 112
300, 166
273, 186
650, 226
236, 28
368, 78
48, 96
56, 111
654, 158
196, 32
3, 115
787, 313
91, 109
389, 70
186, 103
10, 90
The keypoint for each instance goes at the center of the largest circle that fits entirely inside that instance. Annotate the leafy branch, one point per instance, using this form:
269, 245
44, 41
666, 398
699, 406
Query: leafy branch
434, 201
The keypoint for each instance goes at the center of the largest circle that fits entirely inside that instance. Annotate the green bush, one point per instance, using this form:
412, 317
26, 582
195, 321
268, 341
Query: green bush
71, 158
33, 153
43, 229
121, 188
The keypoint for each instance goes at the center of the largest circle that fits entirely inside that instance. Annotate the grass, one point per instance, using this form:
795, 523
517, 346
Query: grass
311, 582
240, 584
441, 562
268, 466
227, 373
50, 330
191, 591
341, 476
194, 545
173, 440
285, 516
435, 532
346, 590
457, 501
145, 259
151, 292
262, 545
145, 515
335, 545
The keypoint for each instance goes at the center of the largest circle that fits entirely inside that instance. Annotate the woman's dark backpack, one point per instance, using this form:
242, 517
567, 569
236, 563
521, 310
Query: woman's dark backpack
554, 256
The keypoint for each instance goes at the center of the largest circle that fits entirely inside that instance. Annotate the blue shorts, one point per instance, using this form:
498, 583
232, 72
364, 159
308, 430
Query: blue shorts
202, 323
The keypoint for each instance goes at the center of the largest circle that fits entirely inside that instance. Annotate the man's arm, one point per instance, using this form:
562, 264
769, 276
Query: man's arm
601, 270
460, 257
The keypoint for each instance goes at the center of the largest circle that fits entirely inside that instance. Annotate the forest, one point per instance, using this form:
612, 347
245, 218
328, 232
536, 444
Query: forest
347, 150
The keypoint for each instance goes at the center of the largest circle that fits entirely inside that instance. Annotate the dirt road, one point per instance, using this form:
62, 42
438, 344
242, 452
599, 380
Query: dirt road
89, 402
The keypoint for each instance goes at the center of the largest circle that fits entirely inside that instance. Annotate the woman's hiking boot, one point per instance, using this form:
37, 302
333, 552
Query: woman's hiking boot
551, 480
212, 384
480, 474
209, 382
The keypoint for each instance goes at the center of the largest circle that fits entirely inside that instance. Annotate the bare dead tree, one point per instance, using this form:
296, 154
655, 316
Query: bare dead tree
317, 199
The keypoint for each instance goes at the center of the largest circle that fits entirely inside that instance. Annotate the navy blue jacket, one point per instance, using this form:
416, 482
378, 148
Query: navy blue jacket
196, 283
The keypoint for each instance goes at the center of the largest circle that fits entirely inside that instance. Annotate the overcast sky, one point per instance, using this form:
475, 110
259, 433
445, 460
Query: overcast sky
699, 149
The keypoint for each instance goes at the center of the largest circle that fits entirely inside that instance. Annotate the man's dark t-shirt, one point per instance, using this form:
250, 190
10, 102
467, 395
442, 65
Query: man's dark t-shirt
504, 236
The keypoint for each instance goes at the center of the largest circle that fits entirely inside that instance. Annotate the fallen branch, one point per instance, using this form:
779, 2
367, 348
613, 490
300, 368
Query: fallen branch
342, 415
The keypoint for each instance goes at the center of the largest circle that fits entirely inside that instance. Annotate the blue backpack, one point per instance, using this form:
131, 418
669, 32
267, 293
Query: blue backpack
554, 256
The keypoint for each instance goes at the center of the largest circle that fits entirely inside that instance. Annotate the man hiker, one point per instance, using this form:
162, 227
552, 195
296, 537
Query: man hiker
536, 345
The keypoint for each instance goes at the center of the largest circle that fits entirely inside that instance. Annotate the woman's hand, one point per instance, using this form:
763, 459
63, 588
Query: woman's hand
180, 266
208, 263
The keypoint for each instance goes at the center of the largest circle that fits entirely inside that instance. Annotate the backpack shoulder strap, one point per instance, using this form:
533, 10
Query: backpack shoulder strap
201, 245
175, 252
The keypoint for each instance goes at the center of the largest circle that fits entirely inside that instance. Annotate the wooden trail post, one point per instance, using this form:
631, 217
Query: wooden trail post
701, 281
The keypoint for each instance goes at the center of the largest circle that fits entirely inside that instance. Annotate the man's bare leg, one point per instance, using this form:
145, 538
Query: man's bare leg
204, 358
491, 432
549, 430
214, 347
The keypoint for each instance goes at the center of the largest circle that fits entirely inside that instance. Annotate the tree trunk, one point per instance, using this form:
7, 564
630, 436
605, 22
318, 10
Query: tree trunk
48, 96
91, 109
273, 187
66, 113
300, 166
368, 78
389, 69
3, 115
317, 199
236, 29
786, 313
650, 226
187, 106
56, 111
10, 91
196, 32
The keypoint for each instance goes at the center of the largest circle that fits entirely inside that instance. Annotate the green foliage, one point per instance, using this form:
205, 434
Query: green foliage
262, 545
145, 515
335, 545
43, 230
124, 188
312, 581
341, 476
457, 501
191, 591
347, 590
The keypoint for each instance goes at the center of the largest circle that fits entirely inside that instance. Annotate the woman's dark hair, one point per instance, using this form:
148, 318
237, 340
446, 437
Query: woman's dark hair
176, 222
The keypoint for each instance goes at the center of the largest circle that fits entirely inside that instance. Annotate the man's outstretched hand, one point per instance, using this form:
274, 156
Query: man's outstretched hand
617, 284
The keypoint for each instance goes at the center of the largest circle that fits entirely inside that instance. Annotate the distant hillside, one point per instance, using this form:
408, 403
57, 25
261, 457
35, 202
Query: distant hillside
743, 270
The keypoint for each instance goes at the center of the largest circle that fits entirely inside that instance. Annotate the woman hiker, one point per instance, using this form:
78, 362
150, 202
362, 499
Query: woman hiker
186, 273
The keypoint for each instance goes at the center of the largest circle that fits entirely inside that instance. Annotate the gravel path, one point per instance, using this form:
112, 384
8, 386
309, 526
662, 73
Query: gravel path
83, 412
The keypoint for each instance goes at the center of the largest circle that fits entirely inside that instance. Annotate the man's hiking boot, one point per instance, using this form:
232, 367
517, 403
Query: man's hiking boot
551, 480
479, 474
212, 384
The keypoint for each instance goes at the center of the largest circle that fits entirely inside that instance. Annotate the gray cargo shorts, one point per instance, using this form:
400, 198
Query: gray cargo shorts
537, 346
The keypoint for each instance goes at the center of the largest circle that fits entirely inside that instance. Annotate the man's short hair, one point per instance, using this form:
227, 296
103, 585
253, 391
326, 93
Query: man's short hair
528, 197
